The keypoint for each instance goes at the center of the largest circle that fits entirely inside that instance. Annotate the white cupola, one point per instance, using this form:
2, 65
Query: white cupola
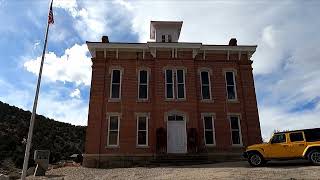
165, 31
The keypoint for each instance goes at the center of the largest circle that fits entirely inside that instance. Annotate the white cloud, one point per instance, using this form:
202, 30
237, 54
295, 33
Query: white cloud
69, 5
50, 103
74, 111
14, 96
124, 3
92, 19
268, 36
277, 118
73, 66
58, 33
88, 21
75, 94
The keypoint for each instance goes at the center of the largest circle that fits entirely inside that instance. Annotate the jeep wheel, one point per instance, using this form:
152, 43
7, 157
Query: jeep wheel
314, 157
255, 159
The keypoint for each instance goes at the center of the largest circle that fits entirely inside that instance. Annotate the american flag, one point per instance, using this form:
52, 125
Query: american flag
50, 16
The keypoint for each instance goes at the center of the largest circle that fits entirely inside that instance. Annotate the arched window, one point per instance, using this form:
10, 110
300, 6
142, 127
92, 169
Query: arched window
143, 83
205, 81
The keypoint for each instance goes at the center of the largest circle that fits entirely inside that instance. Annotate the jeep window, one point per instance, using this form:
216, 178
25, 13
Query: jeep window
278, 138
296, 137
312, 135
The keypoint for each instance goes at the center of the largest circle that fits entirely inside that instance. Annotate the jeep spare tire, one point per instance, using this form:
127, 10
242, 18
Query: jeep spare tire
255, 159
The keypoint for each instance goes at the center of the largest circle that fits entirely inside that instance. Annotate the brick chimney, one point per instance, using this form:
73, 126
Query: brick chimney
105, 39
233, 42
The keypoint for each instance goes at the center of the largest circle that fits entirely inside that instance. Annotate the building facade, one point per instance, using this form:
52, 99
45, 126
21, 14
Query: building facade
169, 97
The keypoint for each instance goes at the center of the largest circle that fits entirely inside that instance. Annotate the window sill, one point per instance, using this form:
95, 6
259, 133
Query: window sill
114, 100
207, 100
175, 100
233, 101
112, 146
142, 146
143, 101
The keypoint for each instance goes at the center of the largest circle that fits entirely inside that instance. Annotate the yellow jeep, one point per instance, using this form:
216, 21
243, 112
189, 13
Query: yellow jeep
298, 144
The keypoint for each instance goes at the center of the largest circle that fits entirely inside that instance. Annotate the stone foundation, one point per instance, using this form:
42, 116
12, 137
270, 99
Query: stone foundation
122, 161
115, 161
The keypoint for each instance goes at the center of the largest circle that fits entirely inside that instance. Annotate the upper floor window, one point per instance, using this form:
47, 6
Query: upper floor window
175, 84
209, 134
163, 38
180, 84
231, 86
169, 38
169, 84
115, 87
205, 85
143, 82
235, 130
113, 130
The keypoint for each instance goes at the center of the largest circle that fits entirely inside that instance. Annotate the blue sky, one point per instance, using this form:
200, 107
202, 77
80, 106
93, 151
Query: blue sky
286, 63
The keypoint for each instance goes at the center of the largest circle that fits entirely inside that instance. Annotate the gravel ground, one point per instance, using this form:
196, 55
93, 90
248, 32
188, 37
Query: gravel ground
229, 170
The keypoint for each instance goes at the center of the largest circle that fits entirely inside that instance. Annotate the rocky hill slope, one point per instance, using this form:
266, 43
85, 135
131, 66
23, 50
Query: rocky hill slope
62, 139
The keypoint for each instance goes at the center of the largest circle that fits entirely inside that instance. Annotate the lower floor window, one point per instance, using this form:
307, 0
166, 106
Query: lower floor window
209, 135
113, 130
142, 130
235, 130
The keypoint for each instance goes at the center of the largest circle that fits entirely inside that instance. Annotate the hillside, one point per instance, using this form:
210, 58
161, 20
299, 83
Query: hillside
62, 139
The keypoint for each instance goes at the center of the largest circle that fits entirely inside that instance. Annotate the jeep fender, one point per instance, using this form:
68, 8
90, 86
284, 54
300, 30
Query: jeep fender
259, 150
306, 151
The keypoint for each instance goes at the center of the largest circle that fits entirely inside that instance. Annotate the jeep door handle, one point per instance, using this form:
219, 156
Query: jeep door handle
301, 144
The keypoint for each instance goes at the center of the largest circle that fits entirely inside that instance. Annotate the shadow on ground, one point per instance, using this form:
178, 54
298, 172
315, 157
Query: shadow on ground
244, 164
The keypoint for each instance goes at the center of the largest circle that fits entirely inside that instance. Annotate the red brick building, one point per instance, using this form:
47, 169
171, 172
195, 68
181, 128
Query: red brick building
169, 97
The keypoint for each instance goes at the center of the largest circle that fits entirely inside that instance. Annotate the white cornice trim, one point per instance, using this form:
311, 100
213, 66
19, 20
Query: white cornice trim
152, 46
117, 46
174, 45
229, 48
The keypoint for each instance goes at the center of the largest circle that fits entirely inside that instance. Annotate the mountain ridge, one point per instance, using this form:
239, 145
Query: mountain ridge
62, 139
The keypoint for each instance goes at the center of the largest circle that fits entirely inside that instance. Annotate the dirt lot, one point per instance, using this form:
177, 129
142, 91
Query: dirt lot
230, 170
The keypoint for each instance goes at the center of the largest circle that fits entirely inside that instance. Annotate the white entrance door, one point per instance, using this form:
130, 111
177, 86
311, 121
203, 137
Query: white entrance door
176, 135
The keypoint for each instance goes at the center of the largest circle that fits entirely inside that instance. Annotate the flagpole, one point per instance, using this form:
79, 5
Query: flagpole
34, 109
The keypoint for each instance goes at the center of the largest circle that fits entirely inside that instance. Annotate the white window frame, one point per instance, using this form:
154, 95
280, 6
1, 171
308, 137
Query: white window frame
173, 87
120, 84
169, 38
184, 83
212, 115
109, 116
146, 115
231, 130
163, 38
143, 99
234, 84
210, 93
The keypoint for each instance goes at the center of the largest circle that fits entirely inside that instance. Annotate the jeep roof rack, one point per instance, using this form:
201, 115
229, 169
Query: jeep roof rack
297, 130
